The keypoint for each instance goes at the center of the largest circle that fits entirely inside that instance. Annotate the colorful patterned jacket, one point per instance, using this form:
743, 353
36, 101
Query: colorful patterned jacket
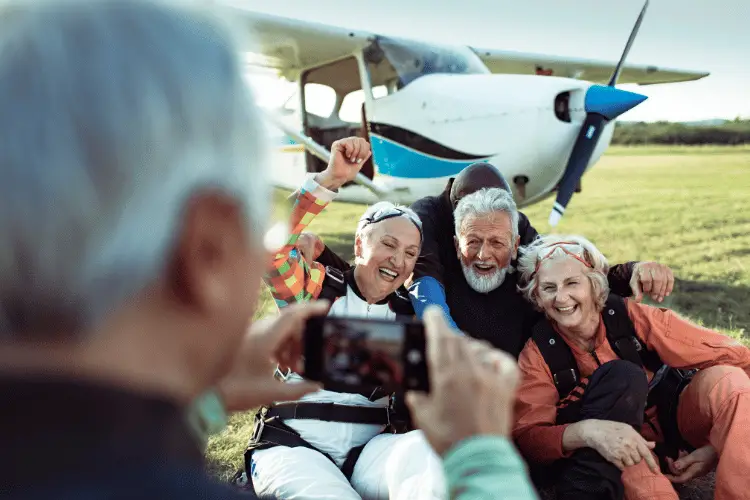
290, 278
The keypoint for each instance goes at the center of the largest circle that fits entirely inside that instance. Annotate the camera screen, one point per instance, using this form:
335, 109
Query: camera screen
363, 354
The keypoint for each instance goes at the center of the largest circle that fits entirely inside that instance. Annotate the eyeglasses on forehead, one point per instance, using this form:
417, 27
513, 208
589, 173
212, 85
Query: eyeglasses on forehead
571, 248
389, 213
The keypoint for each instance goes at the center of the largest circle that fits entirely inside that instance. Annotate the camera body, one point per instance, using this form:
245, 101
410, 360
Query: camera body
362, 355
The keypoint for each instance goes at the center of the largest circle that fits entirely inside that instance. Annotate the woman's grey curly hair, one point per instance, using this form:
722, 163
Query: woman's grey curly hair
531, 253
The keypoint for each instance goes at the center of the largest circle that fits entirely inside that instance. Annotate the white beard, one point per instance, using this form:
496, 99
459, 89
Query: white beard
483, 283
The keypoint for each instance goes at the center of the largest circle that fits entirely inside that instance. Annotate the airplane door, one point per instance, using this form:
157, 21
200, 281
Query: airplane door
333, 107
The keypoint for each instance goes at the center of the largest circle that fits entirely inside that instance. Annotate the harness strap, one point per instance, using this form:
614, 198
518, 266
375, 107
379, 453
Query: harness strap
334, 285
558, 357
274, 432
623, 338
351, 460
330, 412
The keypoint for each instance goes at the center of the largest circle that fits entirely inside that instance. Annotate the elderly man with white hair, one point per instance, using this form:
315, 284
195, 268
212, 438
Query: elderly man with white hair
132, 209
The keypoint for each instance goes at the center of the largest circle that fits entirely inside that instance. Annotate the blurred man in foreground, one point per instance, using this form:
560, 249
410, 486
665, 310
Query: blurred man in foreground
132, 209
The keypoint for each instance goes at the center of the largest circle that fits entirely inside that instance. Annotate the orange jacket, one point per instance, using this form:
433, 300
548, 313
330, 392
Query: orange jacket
679, 343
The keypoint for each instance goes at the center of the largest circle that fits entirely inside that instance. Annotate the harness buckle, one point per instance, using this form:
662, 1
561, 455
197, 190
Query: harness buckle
258, 426
637, 343
281, 376
569, 370
335, 274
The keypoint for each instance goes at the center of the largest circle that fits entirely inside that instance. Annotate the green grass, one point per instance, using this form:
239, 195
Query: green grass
685, 207
658, 149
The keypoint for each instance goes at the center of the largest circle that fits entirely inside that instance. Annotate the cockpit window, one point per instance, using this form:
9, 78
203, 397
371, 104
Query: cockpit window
404, 61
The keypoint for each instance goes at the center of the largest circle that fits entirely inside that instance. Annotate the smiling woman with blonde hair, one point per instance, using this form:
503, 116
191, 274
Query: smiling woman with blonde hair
607, 382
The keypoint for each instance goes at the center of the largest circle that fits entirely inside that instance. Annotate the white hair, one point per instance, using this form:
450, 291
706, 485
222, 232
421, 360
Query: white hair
373, 210
485, 202
530, 254
113, 114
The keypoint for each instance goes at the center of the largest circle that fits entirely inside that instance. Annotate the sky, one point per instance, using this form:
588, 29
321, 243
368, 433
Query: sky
702, 35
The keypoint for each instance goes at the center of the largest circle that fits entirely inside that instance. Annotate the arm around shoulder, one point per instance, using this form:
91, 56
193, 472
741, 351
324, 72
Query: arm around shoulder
427, 291
619, 279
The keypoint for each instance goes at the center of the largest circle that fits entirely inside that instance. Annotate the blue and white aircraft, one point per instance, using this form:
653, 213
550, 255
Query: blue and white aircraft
429, 110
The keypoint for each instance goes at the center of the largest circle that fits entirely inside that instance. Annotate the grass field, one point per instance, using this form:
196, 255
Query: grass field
685, 207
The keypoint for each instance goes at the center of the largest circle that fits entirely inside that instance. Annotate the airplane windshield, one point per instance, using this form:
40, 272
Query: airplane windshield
410, 60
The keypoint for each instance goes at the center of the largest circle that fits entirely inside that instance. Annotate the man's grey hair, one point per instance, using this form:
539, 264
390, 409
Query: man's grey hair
544, 246
113, 113
374, 211
484, 202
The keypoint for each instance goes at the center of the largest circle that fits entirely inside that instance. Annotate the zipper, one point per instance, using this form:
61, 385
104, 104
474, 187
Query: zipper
596, 358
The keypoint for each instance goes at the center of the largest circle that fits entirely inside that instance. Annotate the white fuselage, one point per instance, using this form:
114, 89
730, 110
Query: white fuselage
451, 121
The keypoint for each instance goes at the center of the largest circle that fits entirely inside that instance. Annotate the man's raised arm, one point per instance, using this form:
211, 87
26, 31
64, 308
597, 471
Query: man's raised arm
630, 279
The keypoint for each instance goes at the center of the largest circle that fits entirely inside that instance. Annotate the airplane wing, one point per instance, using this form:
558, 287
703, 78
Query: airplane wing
290, 45
518, 63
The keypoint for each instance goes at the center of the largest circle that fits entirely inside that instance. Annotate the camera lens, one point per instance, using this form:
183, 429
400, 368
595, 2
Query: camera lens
414, 356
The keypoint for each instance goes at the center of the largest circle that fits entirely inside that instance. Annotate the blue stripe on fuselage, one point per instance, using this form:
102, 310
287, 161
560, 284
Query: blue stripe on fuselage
397, 160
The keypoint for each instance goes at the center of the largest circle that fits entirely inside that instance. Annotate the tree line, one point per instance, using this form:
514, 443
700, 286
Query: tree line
638, 133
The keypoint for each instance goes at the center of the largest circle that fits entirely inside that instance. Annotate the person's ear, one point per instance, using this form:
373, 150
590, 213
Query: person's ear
358, 246
209, 246
515, 247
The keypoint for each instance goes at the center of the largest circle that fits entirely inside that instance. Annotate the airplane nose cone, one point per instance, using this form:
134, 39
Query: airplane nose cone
611, 102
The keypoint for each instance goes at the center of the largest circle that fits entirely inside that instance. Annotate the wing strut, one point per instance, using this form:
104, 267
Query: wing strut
321, 152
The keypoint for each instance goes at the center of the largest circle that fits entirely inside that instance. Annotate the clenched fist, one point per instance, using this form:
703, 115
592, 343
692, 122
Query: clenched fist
310, 246
347, 157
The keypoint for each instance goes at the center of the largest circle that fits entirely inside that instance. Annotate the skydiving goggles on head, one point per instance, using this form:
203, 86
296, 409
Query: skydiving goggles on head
390, 213
571, 248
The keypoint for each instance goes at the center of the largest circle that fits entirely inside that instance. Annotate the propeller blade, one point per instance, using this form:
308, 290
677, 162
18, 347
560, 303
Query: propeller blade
633, 34
577, 163
602, 104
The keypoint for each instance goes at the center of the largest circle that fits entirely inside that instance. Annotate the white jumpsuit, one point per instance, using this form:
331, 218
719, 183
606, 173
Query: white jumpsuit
395, 466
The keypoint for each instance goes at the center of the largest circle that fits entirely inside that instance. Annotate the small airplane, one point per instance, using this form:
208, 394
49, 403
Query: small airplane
430, 110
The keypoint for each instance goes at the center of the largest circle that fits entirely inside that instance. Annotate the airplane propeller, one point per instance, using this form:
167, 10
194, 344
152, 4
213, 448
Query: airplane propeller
602, 103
